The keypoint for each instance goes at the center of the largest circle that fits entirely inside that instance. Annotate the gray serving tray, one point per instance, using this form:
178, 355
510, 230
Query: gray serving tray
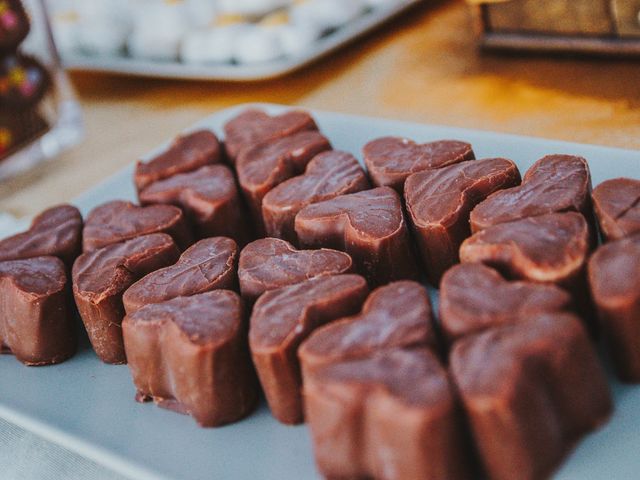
88, 407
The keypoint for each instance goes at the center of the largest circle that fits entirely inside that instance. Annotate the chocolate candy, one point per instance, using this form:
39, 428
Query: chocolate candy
531, 390
55, 232
186, 153
101, 277
474, 298
439, 202
14, 25
17, 128
328, 175
390, 160
190, 355
392, 415
23, 81
253, 126
282, 319
118, 221
270, 263
207, 265
36, 324
397, 315
617, 206
208, 196
614, 276
369, 226
555, 183
266, 165
549, 248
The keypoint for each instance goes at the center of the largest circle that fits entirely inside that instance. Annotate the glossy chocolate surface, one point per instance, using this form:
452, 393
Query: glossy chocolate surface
208, 196
253, 126
186, 153
101, 277
118, 221
439, 202
282, 319
55, 232
614, 276
210, 264
328, 175
617, 206
555, 183
190, 355
368, 225
474, 298
36, 321
531, 390
271, 263
390, 160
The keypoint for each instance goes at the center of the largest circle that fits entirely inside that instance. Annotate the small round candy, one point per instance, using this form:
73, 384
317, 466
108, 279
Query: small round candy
214, 45
23, 81
14, 24
258, 44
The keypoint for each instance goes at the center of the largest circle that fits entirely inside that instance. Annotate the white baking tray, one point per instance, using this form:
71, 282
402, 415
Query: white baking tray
239, 72
88, 407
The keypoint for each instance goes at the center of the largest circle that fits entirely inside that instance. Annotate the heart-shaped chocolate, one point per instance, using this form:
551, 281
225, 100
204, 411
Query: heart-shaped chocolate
56, 232
390, 160
253, 126
617, 206
118, 221
328, 175
368, 225
271, 263
210, 264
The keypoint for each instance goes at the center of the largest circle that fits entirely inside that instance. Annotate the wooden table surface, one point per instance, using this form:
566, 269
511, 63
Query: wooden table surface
423, 67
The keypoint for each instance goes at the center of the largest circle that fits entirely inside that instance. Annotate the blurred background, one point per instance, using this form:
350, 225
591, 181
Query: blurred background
143, 70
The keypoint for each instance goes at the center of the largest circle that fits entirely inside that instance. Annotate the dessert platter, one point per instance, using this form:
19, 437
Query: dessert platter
210, 39
325, 295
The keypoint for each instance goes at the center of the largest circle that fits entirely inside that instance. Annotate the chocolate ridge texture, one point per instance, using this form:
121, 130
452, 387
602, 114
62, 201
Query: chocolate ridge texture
210, 264
390, 160
36, 321
101, 277
119, 221
369, 226
617, 206
190, 355
282, 319
187, 152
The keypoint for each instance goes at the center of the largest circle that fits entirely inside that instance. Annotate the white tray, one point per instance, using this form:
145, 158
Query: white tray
88, 407
230, 72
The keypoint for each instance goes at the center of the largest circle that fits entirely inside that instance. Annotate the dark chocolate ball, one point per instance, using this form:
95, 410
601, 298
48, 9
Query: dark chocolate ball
14, 25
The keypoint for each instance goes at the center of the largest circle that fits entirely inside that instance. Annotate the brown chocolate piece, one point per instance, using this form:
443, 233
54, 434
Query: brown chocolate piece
17, 129
328, 175
282, 319
24, 81
397, 315
271, 263
439, 202
36, 324
101, 277
474, 298
253, 126
555, 183
55, 232
617, 206
186, 153
14, 25
551, 248
118, 221
207, 265
393, 415
369, 225
208, 196
390, 160
614, 276
190, 355
264, 166
531, 391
